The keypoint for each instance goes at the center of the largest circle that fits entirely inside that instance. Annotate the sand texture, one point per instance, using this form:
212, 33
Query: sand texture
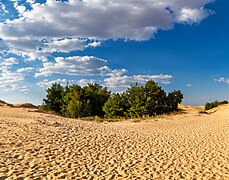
190, 145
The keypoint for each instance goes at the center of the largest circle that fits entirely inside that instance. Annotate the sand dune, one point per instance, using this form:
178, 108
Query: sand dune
184, 146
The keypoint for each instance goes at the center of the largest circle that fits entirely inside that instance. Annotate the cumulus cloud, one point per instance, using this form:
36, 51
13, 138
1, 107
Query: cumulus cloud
3, 8
115, 79
10, 81
9, 62
25, 69
193, 15
85, 82
48, 83
71, 25
75, 65
223, 80
125, 81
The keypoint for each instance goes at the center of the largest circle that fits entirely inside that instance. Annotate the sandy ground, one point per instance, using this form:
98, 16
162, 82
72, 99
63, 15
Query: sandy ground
185, 146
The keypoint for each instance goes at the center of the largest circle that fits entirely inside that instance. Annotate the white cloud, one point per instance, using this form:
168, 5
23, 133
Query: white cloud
9, 62
189, 85
94, 44
120, 82
75, 65
26, 69
24, 89
85, 82
10, 81
68, 26
193, 15
3, 8
223, 80
64, 45
48, 83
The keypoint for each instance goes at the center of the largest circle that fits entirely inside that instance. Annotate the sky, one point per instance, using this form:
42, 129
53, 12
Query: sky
180, 44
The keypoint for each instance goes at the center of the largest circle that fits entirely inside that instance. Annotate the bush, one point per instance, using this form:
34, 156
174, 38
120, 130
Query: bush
210, 105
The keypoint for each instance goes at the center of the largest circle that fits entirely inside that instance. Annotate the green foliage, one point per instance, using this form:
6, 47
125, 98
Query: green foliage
223, 102
115, 106
54, 98
95, 100
136, 100
97, 95
173, 99
155, 99
74, 101
139, 101
210, 105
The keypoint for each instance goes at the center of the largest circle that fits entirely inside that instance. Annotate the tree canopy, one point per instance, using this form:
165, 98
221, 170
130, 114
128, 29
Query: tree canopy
93, 100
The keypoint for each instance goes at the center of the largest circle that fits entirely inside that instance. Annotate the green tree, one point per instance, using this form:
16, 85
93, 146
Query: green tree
74, 103
174, 98
54, 98
136, 100
155, 100
116, 106
97, 96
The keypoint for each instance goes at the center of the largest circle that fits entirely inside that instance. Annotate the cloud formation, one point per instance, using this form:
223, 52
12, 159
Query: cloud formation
223, 80
122, 82
74, 65
48, 83
72, 25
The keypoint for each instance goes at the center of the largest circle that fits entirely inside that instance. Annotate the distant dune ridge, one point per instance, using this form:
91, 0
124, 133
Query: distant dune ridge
188, 145
2, 102
24, 105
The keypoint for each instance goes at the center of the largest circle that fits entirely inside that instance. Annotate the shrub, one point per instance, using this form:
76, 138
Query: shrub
210, 105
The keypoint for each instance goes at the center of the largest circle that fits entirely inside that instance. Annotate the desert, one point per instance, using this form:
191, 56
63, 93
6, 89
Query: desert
186, 145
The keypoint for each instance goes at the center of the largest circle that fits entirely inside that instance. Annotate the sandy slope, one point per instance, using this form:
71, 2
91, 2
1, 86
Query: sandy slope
186, 146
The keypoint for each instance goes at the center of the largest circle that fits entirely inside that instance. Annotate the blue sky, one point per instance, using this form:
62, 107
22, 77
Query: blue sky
180, 44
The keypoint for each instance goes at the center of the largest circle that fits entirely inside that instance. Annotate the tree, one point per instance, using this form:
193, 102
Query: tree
136, 99
173, 99
97, 96
74, 104
85, 102
116, 106
54, 98
95, 100
155, 101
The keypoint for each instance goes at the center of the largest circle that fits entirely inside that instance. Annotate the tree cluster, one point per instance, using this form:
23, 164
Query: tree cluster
95, 100
75, 101
141, 101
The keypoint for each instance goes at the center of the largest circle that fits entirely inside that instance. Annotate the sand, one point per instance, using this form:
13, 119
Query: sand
190, 145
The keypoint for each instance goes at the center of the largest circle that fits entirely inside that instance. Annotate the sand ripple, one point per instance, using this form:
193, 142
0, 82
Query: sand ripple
41, 146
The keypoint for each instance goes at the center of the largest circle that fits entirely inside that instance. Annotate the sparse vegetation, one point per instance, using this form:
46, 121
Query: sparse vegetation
2, 102
210, 105
95, 100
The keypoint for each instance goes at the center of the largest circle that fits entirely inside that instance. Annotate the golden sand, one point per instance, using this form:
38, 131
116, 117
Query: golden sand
190, 145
